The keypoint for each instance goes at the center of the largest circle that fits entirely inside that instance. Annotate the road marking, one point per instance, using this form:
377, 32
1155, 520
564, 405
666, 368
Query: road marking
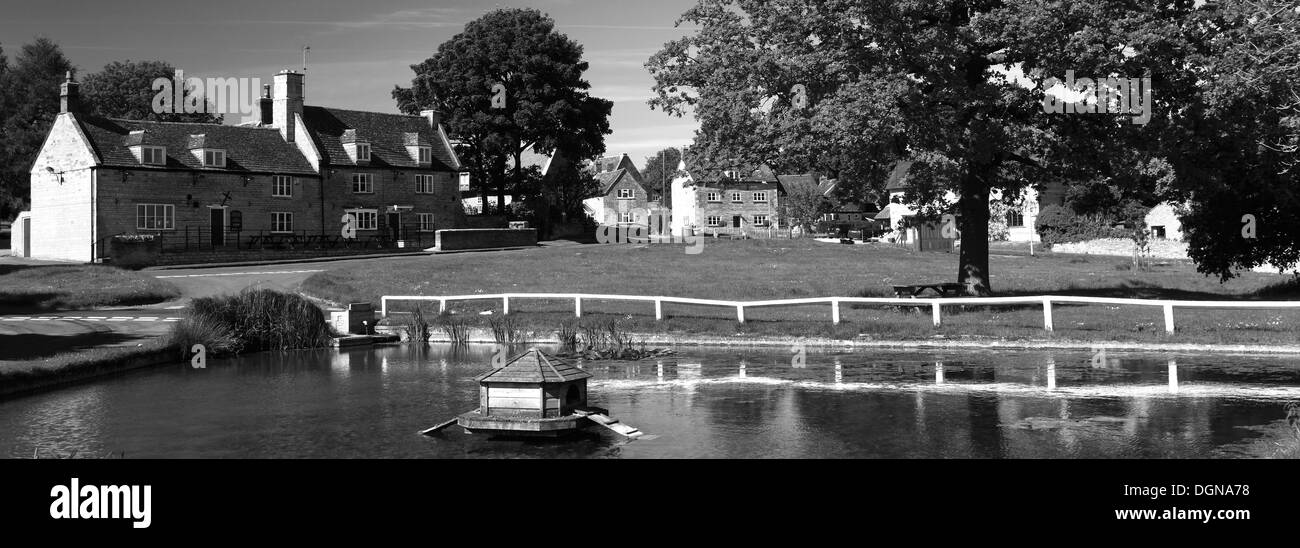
240, 273
96, 317
146, 319
177, 307
171, 319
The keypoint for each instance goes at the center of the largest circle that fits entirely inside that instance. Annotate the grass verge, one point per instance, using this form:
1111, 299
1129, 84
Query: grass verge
69, 287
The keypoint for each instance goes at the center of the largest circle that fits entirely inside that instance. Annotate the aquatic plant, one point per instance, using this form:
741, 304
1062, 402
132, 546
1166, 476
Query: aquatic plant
455, 328
506, 330
253, 320
568, 334
417, 329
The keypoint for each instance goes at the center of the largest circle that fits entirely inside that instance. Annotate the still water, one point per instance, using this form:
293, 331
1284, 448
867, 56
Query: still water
701, 403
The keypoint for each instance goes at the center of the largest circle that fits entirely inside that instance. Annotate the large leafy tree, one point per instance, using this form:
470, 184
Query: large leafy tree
546, 103
850, 87
124, 89
29, 101
658, 171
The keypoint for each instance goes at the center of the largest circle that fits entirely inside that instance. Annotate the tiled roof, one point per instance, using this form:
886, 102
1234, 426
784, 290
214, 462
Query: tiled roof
535, 367
824, 186
386, 134
898, 177
250, 149
608, 179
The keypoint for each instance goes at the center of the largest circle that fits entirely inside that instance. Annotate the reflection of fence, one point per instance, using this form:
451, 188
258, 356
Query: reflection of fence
936, 304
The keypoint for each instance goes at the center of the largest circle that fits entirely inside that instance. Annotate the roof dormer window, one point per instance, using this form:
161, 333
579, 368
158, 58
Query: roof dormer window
363, 152
426, 155
214, 158
419, 148
156, 156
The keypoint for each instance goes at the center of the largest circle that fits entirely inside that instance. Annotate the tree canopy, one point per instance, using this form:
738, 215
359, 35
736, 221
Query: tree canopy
29, 102
542, 104
124, 89
850, 87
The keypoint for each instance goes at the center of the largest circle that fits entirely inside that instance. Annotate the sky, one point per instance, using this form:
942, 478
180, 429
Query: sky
360, 49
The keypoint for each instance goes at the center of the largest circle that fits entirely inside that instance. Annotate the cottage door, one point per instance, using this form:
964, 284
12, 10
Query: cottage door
27, 237
395, 225
218, 226
735, 221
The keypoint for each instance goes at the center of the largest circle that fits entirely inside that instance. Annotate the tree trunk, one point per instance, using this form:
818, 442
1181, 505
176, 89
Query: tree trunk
973, 262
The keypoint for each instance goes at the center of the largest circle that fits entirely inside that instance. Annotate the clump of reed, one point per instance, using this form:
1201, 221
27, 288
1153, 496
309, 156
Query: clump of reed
506, 330
568, 334
417, 329
456, 329
253, 320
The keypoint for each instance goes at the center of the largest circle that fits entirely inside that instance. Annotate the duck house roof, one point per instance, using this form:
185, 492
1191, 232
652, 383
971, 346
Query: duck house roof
534, 366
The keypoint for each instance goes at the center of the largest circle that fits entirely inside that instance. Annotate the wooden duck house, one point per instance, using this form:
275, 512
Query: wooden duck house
534, 394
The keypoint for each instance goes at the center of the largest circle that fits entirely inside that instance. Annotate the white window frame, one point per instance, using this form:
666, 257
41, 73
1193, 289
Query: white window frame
760, 220
278, 217
363, 152
367, 182
737, 197
167, 214
214, 158
760, 197
361, 215
626, 193
157, 158
713, 197
714, 220
424, 184
625, 217
282, 186
425, 221
425, 155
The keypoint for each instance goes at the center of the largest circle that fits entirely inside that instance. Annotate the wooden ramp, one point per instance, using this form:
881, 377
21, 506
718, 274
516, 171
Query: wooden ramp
610, 423
440, 426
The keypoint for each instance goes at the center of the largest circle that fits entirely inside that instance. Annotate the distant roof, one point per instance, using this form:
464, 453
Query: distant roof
608, 179
898, 177
248, 148
884, 213
535, 367
824, 186
386, 133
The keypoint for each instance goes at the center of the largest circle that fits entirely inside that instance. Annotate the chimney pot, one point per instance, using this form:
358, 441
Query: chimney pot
69, 94
286, 101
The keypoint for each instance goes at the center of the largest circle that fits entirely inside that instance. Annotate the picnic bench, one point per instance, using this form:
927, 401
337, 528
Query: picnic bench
942, 289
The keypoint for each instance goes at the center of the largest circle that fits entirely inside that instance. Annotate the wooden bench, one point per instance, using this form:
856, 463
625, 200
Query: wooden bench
942, 289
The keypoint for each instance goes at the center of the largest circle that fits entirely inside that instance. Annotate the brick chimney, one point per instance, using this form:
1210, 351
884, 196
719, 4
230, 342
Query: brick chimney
69, 94
433, 117
264, 108
286, 101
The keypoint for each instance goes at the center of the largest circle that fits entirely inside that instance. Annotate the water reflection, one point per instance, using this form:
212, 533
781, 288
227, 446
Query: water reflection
700, 403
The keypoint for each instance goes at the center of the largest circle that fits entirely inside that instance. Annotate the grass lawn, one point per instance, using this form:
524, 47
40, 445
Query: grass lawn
28, 374
31, 288
776, 269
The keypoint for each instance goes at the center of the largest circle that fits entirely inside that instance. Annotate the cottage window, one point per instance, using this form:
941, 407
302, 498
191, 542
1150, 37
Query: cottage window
625, 217
715, 220
155, 217
1015, 218
760, 197
426, 155
760, 220
736, 197
424, 184
153, 155
214, 158
282, 186
426, 222
281, 221
715, 197
363, 183
625, 193
363, 152
367, 219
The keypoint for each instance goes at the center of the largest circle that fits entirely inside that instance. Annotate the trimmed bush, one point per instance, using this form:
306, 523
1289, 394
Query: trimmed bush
1059, 225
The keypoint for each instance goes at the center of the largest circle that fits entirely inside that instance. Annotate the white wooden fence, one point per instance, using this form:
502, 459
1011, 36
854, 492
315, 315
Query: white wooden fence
936, 304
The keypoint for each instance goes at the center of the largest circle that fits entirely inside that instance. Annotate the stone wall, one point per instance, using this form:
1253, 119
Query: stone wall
485, 238
1160, 249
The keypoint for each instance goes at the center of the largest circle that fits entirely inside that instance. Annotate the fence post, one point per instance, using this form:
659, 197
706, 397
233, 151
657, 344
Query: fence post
740, 314
1047, 314
835, 311
1169, 318
1173, 376
659, 309
577, 307
383, 306
442, 306
934, 311
505, 305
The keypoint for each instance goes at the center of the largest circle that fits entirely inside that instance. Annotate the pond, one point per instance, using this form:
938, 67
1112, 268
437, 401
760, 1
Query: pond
703, 402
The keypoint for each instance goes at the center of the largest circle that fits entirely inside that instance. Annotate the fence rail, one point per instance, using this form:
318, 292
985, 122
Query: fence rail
936, 304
